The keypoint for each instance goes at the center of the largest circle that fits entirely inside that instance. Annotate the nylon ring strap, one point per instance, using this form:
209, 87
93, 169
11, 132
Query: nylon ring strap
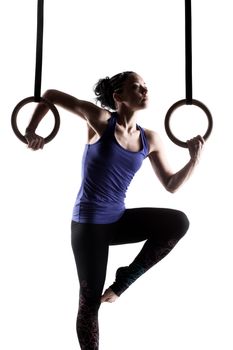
188, 52
37, 91
39, 49
188, 80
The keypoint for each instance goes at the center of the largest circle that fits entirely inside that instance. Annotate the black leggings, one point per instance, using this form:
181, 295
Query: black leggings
161, 228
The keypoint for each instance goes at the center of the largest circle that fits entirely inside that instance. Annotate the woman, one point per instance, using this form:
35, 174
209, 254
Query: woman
115, 151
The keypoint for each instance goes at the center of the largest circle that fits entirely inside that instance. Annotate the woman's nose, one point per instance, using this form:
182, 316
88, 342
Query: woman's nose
145, 91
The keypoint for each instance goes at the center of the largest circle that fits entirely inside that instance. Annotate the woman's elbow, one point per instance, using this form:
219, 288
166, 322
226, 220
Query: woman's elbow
51, 95
170, 189
170, 185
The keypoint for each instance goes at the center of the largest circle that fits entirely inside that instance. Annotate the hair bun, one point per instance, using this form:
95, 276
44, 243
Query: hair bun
103, 86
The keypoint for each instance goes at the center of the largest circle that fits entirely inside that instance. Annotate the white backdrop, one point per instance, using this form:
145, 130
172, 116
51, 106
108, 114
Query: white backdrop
185, 302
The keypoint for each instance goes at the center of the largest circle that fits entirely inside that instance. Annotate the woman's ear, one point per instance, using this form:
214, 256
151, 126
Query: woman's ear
117, 97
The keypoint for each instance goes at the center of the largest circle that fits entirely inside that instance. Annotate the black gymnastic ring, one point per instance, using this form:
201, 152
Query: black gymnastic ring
29, 100
179, 104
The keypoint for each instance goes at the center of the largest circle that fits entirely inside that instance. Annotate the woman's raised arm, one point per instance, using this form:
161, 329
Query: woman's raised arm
172, 180
95, 116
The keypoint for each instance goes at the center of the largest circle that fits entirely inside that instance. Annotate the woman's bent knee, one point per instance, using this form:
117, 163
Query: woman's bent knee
182, 224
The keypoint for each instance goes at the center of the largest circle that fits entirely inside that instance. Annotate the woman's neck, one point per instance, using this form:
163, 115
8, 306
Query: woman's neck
127, 120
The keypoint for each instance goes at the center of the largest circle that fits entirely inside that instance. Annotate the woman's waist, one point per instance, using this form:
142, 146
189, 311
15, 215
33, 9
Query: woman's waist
97, 212
96, 204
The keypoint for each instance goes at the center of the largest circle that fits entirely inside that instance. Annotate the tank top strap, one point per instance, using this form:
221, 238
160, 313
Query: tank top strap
144, 140
110, 129
112, 121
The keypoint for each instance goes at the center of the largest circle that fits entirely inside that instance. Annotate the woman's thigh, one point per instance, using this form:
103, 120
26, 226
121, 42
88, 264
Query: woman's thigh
139, 224
90, 244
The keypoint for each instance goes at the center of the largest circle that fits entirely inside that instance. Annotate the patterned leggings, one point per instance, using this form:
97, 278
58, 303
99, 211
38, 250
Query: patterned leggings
161, 228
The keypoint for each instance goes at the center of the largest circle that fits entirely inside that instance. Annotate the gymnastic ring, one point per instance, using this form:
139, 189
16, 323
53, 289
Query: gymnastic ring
29, 100
182, 103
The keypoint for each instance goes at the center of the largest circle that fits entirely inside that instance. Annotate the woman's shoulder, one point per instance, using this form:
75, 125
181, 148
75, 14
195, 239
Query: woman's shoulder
151, 134
153, 139
96, 127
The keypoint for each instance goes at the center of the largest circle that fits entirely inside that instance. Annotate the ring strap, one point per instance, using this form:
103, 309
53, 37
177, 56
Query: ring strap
39, 50
37, 92
188, 52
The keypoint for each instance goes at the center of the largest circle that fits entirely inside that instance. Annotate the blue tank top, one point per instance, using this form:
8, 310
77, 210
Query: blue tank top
107, 170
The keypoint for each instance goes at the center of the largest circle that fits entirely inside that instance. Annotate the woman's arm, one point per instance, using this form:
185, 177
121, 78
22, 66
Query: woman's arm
95, 116
170, 180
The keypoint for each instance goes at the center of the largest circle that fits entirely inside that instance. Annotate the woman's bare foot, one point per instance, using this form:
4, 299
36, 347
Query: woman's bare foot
109, 296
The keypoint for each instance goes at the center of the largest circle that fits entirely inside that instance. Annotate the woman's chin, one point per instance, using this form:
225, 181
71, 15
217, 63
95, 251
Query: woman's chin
144, 104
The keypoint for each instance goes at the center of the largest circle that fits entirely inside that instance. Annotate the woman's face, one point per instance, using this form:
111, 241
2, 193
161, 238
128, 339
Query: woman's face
134, 94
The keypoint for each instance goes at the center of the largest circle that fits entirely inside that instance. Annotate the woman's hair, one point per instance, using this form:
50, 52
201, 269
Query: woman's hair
105, 88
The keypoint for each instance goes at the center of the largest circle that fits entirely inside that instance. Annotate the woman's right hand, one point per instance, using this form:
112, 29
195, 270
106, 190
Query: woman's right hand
34, 141
195, 146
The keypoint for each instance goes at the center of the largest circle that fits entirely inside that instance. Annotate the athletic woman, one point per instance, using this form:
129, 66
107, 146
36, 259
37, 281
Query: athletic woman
116, 148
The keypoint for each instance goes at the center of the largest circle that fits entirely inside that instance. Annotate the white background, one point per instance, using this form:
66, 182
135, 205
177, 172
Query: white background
185, 302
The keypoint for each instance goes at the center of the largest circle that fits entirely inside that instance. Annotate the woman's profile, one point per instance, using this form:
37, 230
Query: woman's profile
115, 151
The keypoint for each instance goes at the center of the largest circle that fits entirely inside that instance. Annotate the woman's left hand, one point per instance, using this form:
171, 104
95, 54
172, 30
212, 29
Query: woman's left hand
195, 146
